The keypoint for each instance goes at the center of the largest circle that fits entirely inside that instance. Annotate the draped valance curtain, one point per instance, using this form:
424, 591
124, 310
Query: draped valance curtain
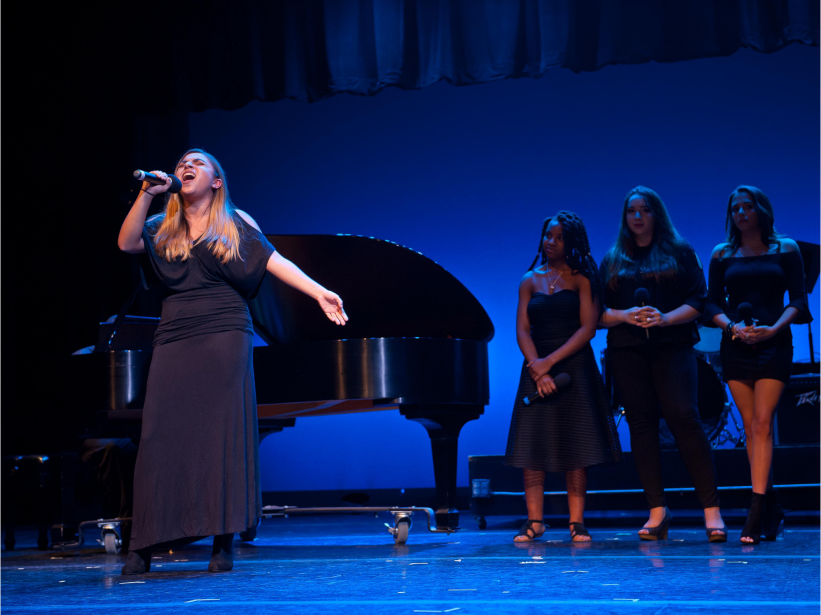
224, 55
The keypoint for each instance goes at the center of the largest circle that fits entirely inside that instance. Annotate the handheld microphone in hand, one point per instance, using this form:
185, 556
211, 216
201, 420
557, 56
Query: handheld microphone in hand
642, 297
561, 381
745, 313
176, 184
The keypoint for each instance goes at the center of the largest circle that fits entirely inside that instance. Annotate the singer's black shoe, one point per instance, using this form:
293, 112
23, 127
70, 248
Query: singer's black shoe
222, 554
752, 529
658, 532
578, 529
773, 524
528, 531
137, 562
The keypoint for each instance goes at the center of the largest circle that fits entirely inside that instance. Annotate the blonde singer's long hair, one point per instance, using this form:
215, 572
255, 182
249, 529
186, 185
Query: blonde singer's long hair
221, 234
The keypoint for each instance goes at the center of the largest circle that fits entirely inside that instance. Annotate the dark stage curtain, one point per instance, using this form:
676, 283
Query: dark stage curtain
311, 49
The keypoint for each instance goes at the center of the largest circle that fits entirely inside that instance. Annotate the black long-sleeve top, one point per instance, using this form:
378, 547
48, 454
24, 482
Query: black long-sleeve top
760, 281
687, 287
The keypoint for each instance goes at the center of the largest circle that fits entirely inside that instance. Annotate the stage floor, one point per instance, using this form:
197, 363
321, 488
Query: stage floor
349, 564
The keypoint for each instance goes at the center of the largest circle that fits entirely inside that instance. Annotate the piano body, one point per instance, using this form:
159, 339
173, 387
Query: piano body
416, 342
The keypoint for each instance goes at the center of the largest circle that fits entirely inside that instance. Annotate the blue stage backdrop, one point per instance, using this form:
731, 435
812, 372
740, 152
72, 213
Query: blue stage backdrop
466, 176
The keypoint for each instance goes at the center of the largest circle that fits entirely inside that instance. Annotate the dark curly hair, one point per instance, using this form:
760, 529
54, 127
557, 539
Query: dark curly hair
766, 219
576, 249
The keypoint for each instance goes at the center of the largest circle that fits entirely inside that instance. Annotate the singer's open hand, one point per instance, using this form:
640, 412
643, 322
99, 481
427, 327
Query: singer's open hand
154, 189
539, 368
545, 385
755, 334
649, 316
331, 304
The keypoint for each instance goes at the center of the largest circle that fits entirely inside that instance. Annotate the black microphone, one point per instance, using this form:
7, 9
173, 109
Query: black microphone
561, 381
745, 313
176, 184
642, 297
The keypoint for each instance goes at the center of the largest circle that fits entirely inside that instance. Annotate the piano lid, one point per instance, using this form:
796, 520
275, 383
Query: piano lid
388, 290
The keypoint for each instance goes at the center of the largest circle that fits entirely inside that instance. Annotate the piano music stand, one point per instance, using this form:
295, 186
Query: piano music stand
812, 267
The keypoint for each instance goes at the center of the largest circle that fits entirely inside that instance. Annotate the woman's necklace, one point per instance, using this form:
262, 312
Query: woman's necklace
551, 284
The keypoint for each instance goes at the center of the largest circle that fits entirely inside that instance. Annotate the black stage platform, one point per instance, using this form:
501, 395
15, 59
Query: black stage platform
349, 564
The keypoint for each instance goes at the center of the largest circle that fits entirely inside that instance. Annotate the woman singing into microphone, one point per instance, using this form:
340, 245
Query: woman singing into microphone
650, 351
571, 428
197, 470
756, 266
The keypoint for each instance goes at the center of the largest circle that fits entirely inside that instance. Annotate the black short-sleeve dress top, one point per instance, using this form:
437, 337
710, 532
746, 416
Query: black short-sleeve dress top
197, 470
760, 281
687, 287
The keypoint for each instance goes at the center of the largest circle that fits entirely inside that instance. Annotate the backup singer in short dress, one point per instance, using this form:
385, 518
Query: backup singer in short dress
757, 266
569, 429
197, 471
650, 352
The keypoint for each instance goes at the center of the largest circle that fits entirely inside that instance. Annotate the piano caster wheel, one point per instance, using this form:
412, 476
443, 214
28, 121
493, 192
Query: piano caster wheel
481, 522
112, 542
400, 536
401, 528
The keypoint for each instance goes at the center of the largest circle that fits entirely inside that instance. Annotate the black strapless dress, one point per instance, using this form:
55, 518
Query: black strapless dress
573, 428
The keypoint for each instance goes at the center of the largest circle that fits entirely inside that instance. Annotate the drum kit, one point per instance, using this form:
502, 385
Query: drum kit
715, 407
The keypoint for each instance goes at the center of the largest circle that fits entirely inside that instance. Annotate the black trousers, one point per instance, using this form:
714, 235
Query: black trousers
663, 377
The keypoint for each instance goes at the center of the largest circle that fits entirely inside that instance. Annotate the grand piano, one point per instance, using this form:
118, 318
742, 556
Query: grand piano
416, 343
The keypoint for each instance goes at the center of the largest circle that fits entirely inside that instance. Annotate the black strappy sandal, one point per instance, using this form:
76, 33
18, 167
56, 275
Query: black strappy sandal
527, 530
578, 529
717, 537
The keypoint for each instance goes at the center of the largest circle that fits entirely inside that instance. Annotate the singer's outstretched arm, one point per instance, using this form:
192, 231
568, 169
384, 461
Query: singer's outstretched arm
292, 275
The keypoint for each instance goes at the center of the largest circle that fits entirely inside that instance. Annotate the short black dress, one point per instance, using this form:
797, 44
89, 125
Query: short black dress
760, 281
572, 428
197, 471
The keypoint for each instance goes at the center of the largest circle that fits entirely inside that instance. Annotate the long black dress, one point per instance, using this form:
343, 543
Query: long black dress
197, 471
572, 428
760, 281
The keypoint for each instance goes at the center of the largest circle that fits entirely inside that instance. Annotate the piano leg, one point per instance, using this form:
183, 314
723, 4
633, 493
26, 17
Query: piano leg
443, 423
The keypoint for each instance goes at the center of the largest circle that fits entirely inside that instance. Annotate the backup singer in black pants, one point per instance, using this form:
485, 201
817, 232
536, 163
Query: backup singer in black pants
650, 352
197, 470
757, 266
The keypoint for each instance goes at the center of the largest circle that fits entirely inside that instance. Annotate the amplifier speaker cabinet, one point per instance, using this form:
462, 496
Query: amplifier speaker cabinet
797, 415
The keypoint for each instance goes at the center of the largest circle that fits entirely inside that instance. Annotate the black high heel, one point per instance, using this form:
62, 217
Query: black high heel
137, 562
773, 525
222, 554
752, 529
660, 531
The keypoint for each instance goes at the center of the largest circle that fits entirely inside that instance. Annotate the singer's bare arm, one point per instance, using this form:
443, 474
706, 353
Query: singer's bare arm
131, 232
292, 275
526, 344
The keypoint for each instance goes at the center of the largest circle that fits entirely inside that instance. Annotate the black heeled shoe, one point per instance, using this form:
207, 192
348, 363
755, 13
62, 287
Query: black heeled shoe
752, 529
222, 554
773, 525
660, 531
137, 562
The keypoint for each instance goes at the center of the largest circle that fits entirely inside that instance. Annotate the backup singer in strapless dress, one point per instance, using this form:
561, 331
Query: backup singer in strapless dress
571, 428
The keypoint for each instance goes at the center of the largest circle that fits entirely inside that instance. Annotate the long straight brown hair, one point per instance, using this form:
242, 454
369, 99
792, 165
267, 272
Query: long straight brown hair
661, 263
222, 235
